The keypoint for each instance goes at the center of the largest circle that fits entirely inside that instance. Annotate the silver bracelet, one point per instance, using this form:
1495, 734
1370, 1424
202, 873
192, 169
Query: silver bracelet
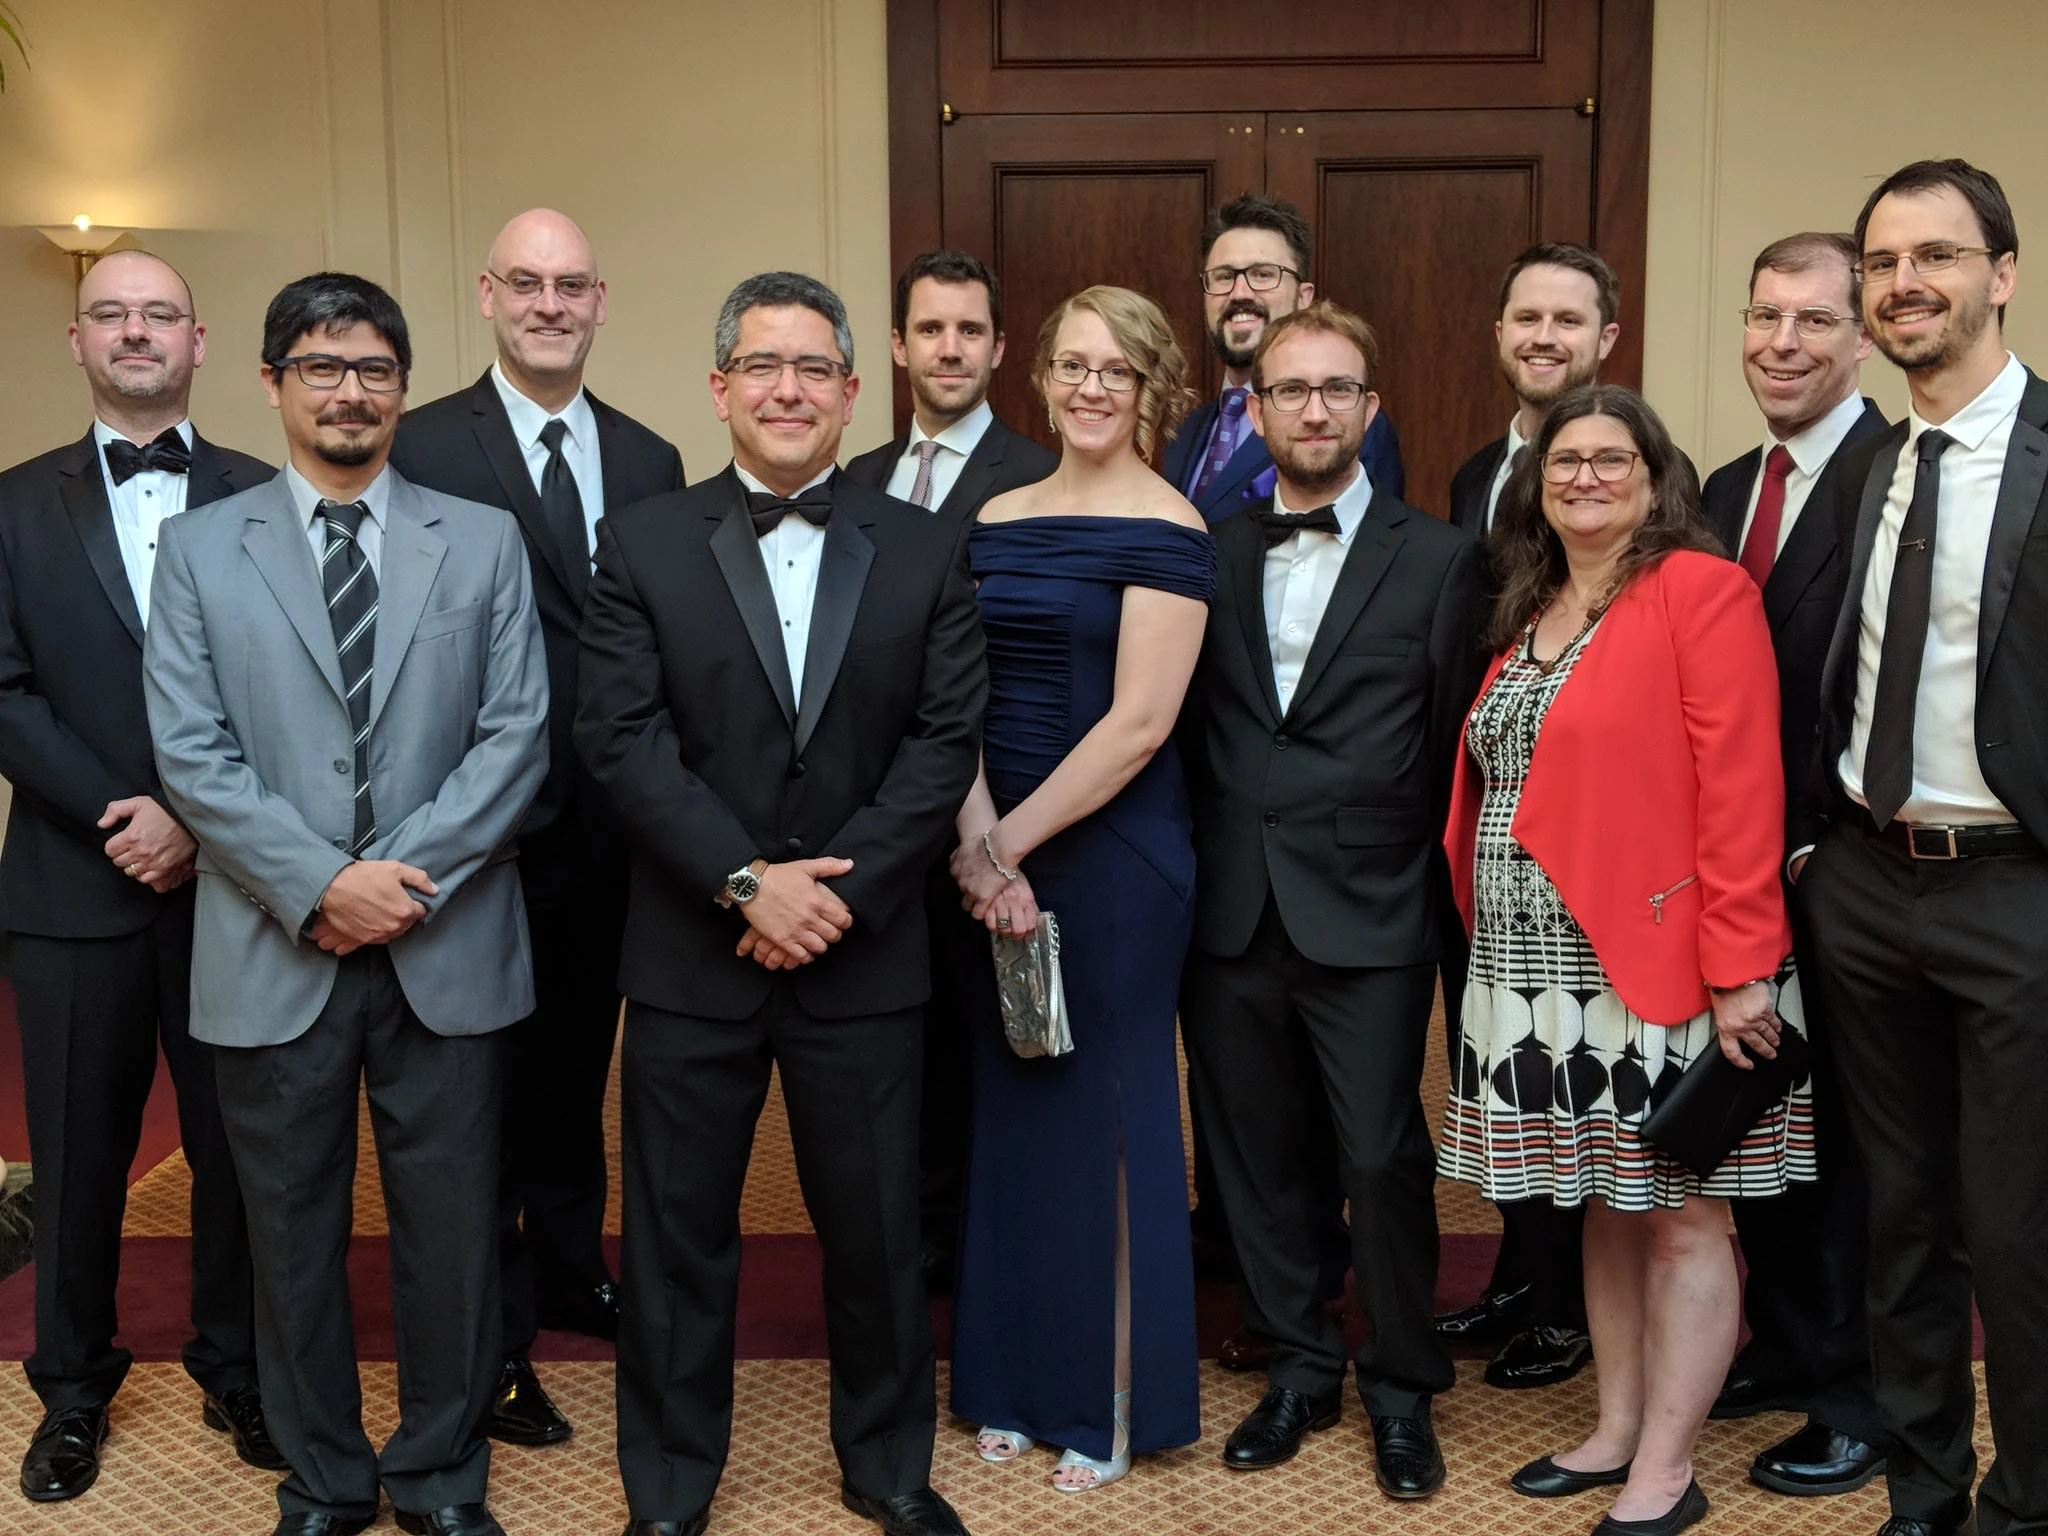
989, 848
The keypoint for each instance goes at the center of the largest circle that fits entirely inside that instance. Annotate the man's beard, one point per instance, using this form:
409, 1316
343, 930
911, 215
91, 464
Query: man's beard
1921, 354
1576, 371
348, 455
1236, 357
131, 386
1316, 469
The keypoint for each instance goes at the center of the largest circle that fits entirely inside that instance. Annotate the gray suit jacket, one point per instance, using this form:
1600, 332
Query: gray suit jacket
255, 751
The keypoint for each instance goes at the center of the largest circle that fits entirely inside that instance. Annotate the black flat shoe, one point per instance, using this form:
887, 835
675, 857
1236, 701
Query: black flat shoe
1817, 1460
1541, 1356
308, 1522
521, 1413
239, 1411
1545, 1479
594, 1312
1690, 1509
450, 1520
1407, 1463
694, 1526
64, 1454
1495, 1315
1272, 1432
1744, 1395
921, 1512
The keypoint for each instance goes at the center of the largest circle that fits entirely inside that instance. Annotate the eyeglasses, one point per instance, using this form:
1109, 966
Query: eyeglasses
158, 317
1260, 277
527, 286
1117, 378
1811, 323
1609, 466
1291, 395
317, 370
1935, 256
766, 368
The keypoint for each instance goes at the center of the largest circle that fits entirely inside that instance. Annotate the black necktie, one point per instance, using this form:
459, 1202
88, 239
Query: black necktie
1280, 526
351, 588
167, 453
813, 505
1888, 754
561, 508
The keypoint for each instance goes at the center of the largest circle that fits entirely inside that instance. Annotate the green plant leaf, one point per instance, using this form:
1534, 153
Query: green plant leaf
10, 29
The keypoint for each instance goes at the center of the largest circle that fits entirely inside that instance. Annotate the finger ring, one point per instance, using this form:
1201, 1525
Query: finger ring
133, 867
1002, 922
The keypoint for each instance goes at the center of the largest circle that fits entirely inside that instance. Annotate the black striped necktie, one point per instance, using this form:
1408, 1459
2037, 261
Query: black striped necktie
351, 588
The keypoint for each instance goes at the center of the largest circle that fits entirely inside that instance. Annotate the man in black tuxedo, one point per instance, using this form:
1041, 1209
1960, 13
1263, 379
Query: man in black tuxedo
1926, 893
528, 437
782, 688
1341, 655
96, 879
948, 339
1803, 341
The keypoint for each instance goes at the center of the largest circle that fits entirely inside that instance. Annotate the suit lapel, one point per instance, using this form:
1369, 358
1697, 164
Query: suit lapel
84, 491
1806, 550
494, 436
1244, 554
842, 577
1250, 458
1372, 551
738, 554
1192, 437
277, 546
978, 474
1877, 483
412, 557
2012, 518
208, 480
1731, 500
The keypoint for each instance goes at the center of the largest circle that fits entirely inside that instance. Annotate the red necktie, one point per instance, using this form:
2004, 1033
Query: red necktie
1761, 547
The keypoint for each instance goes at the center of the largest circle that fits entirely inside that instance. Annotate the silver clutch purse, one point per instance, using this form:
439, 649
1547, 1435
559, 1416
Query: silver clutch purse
1028, 986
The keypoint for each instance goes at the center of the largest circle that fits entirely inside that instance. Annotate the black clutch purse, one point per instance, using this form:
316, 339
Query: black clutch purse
1714, 1104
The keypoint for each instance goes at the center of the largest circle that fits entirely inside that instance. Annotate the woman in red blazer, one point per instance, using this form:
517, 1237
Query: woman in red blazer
1615, 835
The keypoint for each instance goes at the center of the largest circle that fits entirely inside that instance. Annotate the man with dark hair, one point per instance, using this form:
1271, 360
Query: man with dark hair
528, 437
349, 701
782, 693
1802, 345
96, 877
1927, 890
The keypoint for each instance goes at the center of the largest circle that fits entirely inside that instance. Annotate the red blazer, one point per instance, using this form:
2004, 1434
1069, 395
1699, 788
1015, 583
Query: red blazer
1655, 801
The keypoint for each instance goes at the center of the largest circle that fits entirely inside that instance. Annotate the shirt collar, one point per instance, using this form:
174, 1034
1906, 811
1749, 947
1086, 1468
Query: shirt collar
306, 501
752, 484
1516, 442
1975, 421
961, 437
1812, 448
1351, 504
528, 416
102, 434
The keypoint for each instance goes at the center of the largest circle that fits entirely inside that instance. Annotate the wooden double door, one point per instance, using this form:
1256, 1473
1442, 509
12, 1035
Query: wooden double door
1426, 145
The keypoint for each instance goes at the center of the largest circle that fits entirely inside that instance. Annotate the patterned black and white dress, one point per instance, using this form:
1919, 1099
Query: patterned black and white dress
1555, 1076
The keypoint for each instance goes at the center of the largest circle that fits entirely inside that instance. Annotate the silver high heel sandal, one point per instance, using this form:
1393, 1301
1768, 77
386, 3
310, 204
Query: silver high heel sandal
1012, 1443
1100, 1472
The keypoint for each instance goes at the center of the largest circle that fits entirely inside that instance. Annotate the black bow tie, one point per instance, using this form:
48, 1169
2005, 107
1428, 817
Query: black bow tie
168, 453
813, 505
1281, 525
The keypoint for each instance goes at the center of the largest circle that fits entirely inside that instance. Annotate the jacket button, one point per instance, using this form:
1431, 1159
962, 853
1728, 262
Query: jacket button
341, 843
795, 845
343, 765
1281, 742
796, 769
1271, 818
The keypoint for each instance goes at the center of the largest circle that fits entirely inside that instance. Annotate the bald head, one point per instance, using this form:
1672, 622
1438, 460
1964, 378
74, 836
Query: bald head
137, 340
116, 267
543, 333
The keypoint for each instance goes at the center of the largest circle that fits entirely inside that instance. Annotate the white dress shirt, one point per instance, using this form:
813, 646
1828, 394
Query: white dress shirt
1516, 443
1948, 784
791, 551
579, 447
369, 537
955, 443
1810, 452
139, 506
1301, 572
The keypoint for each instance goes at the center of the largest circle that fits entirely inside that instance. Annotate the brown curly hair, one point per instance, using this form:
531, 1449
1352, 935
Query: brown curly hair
1138, 327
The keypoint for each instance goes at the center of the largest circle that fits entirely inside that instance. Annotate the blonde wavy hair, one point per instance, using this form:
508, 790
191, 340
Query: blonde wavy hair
1139, 329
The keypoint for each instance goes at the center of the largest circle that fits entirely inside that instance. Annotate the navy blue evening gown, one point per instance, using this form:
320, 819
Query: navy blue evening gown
1034, 1316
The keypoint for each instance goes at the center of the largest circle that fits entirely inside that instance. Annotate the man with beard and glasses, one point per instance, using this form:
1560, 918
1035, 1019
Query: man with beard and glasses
96, 878
1320, 732
948, 340
349, 700
528, 437
1927, 891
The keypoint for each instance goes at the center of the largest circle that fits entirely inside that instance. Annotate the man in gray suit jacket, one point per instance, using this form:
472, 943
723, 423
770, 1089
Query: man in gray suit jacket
349, 706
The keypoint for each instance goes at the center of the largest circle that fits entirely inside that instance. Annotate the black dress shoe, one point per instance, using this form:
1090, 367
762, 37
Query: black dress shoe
594, 1312
1246, 1350
64, 1454
239, 1411
1816, 1460
521, 1413
308, 1522
694, 1526
1539, 1357
1545, 1479
450, 1520
1494, 1315
1744, 1394
1690, 1509
1272, 1432
1407, 1464
1906, 1525
920, 1512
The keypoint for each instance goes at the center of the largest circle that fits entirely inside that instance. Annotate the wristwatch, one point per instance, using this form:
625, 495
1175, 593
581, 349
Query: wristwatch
743, 885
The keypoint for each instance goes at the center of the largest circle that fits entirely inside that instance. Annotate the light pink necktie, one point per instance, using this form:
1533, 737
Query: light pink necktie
921, 487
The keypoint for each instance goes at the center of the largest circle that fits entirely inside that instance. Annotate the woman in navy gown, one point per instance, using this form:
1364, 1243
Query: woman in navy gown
1074, 1321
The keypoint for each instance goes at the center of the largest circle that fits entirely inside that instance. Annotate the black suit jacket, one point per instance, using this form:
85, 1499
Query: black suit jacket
1801, 600
1236, 487
1002, 461
73, 731
462, 444
686, 720
2012, 626
1471, 483
1338, 806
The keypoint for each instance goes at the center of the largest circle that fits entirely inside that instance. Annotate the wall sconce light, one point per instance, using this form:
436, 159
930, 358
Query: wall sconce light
84, 241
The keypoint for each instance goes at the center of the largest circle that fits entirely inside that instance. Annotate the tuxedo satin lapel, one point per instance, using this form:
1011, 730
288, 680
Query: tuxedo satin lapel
277, 546
494, 436
412, 557
208, 480
1842, 648
2012, 519
738, 553
84, 491
842, 577
1372, 552
978, 474
1245, 554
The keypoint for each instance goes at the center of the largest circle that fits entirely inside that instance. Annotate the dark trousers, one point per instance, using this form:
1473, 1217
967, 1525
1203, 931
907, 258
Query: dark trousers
959, 944
91, 1014
1268, 1033
558, 1063
434, 1108
693, 1089
1938, 975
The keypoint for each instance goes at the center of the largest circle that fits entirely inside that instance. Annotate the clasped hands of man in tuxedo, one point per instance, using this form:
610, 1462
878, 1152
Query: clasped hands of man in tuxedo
151, 847
796, 916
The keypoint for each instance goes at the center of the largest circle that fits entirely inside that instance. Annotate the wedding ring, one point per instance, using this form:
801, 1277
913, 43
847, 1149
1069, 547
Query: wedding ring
133, 867
1002, 922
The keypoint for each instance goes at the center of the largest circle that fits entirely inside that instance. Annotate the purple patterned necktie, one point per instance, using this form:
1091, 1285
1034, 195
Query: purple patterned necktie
1224, 441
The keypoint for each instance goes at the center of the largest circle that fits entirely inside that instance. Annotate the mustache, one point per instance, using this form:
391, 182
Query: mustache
1245, 308
1542, 355
347, 415
1890, 308
138, 349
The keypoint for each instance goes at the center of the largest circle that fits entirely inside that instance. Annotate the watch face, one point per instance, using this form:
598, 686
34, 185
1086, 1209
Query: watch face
744, 885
